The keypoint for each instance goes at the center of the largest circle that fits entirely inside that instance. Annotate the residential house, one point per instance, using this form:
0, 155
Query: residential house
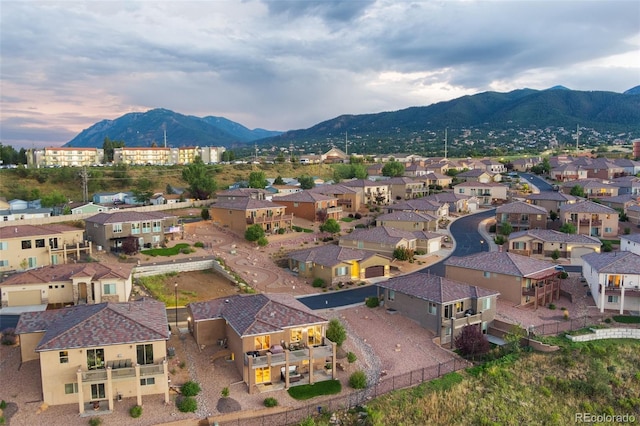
633, 214
404, 188
544, 242
22, 210
332, 263
629, 167
110, 197
602, 168
627, 185
144, 229
552, 201
242, 193
408, 221
620, 202
478, 175
416, 170
385, 240
458, 203
426, 205
73, 283
286, 189
494, 166
312, 206
614, 280
158, 199
436, 180
375, 169
30, 246
241, 213
568, 173
525, 164
440, 305
375, 193
521, 216
593, 188
487, 193
273, 339
591, 218
630, 243
521, 280
94, 355
335, 155
84, 208
350, 199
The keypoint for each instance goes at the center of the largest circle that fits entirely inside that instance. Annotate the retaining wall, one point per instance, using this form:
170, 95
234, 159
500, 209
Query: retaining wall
181, 266
607, 333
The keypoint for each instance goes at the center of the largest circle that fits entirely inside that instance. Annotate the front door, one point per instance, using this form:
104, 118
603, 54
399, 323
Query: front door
82, 292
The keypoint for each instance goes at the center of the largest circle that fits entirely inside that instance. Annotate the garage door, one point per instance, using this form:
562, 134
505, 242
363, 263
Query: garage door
374, 271
24, 298
434, 246
577, 252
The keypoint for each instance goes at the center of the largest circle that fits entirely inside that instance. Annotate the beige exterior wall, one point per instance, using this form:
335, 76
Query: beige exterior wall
381, 248
72, 157
28, 343
410, 226
586, 221
238, 220
509, 286
103, 235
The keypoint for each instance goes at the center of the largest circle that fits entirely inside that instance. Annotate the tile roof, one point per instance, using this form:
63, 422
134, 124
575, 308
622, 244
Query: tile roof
329, 255
245, 204
405, 216
256, 313
102, 324
127, 216
306, 197
425, 204
65, 272
587, 207
503, 263
474, 173
434, 288
552, 196
552, 236
622, 198
335, 189
635, 238
241, 192
20, 231
480, 185
402, 180
363, 183
387, 235
521, 207
616, 262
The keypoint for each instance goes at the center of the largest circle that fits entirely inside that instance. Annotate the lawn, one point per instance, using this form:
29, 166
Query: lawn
168, 251
626, 319
302, 392
347, 219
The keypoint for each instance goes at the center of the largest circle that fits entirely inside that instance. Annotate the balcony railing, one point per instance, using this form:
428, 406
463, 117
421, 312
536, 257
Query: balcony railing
631, 291
293, 356
594, 222
269, 219
466, 320
334, 210
94, 376
122, 373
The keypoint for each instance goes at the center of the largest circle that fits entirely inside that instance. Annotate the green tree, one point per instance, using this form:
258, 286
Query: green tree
109, 148
201, 185
54, 198
278, 181
254, 233
356, 160
263, 242
331, 226
280, 157
393, 169
119, 172
553, 215
506, 228
577, 191
258, 180
336, 332
143, 191
228, 156
359, 171
204, 214
306, 182
555, 255
568, 228
169, 189
546, 166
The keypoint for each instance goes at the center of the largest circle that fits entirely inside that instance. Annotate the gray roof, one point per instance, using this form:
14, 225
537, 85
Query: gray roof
127, 216
66, 272
387, 235
552, 196
102, 324
245, 204
334, 189
434, 288
364, 183
329, 255
306, 197
402, 180
521, 207
19, 231
616, 262
256, 313
405, 216
549, 235
635, 238
587, 207
623, 198
419, 204
502, 263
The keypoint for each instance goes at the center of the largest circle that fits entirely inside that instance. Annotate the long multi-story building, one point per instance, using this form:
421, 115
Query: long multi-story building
64, 157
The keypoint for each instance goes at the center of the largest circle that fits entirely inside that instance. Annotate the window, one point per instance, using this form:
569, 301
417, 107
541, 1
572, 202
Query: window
486, 274
40, 243
459, 306
608, 230
109, 289
392, 295
54, 259
26, 244
135, 228
433, 308
155, 239
262, 342
33, 262
64, 357
147, 381
295, 204
70, 388
486, 303
519, 245
97, 391
144, 354
4, 245
117, 228
157, 226
448, 311
95, 358
53, 243
341, 271
612, 299
4, 263
146, 227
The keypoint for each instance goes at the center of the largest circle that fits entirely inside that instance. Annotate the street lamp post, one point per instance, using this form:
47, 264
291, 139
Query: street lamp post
176, 287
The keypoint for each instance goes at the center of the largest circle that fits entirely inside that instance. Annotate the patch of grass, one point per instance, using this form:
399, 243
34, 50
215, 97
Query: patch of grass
302, 392
169, 251
347, 219
157, 286
626, 319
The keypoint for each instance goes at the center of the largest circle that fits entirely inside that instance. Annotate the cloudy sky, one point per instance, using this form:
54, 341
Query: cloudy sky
282, 65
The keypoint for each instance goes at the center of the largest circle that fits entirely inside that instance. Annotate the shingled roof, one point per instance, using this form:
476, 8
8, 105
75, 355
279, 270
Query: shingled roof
65, 272
329, 255
405, 216
503, 263
306, 197
102, 324
127, 216
552, 236
245, 204
520, 207
19, 231
256, 313
587, 207
621, 262
434, 288
387, 235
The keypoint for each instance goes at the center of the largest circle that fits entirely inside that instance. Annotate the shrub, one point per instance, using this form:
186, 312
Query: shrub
183, 364
358, 380
627, 231
270, 402
225, 392
204, 214
318, 282
199, 244
555, 255
9, 337
262, 241
351, 357
372, 302
499, 240
95, 421
135, 411
563, 275
3, 404
357, 216
190, 388
187, 404
281, 231
336, 332
552, 306
606, 246
471, 341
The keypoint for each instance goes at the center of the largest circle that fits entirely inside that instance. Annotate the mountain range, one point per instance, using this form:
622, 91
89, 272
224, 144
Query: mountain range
557, 106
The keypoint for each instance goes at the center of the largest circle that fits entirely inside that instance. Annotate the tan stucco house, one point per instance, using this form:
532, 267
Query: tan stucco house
349, 199
385, 240
312, 206
487, 193
544, 242
241, 213
374, 193
591, 218
408, 221
521, 216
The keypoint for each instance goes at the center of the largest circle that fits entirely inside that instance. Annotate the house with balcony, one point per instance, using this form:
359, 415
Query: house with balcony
30, 246
69, 284
427, 205
95, 355
385, 240
441, 305
493, 166
542, 243
630, 243
627, 185
521, 216
596, 189
525, 164
313, 206
487, 193
241, 213
273, 339
568, 172
415, 170
241, 193
332, 263
458, 203
629, 167
404, 188
551, 200
620, 202
602, 168
374, 193
614, 280
591, 219
478, 175
408, 221
349, 199
521, 280
435, 180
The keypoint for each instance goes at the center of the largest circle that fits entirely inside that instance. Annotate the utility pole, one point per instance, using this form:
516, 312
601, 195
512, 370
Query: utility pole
577, 137
346, 138
85, 184
445, 142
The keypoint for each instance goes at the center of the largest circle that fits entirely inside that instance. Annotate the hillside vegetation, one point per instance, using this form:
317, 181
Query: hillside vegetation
31, 184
